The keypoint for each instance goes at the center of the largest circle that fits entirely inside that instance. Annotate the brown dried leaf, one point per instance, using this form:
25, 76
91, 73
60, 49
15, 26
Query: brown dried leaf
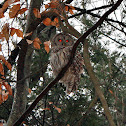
58, 109
13, 31
8, 65
47, 21
19, 33
29, 90
36, 13
55, 22
1, 36
6, 5
1, 69
2, 58
37, 40
1, 13
4, 95
14, 11
66, 8
111, 91
46, 109
71, 11
0, 47
36, 45
21, 11
5, 31
46, 6
46, 46
72, 7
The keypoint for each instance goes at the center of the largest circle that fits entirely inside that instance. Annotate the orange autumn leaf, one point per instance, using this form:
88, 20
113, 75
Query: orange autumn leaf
1, 35
29, 90
55, 22
1, 13
22, 10
19, 33
46, 6
72, 7
8, 65
2, 58
13, 31
1, 69
58, 109
66, 8
47, 21
8, 87
46, 109
36, 13
46, 46
14, 11
4, 95
0, 47
5, 62
6, 4
0, 87
37, 40
71, 11
36, 45
52, 5
111, 91
5, 31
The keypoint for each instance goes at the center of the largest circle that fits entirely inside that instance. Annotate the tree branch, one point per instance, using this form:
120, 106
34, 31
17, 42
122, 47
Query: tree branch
96, 84
84, 11
124, 45
62, 72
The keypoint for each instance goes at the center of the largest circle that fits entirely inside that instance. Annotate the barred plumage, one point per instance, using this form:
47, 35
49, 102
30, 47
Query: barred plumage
60, 53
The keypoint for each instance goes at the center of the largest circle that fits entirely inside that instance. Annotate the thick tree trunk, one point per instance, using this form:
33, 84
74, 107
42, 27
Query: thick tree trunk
23, 69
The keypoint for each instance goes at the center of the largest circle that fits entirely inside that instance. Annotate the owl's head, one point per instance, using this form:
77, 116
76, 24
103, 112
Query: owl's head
62, 39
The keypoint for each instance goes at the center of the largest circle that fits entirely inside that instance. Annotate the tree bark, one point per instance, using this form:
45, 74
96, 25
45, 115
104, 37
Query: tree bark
23, 68
96, 83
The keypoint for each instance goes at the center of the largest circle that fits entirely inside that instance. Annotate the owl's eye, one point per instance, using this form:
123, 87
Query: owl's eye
60, 40
67, 40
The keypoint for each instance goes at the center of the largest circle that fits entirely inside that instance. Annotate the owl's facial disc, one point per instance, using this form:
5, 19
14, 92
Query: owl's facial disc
63, 42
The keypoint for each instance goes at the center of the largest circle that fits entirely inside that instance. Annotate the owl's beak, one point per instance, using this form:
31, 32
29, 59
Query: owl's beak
63, 44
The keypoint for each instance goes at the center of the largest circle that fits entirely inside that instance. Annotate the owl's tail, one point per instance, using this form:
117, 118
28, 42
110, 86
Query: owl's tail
71, 83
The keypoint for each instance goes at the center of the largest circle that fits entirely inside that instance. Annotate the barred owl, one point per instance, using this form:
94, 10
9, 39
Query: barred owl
61, 46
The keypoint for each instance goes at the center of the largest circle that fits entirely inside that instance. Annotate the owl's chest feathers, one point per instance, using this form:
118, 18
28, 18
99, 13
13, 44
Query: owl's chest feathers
60, 57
